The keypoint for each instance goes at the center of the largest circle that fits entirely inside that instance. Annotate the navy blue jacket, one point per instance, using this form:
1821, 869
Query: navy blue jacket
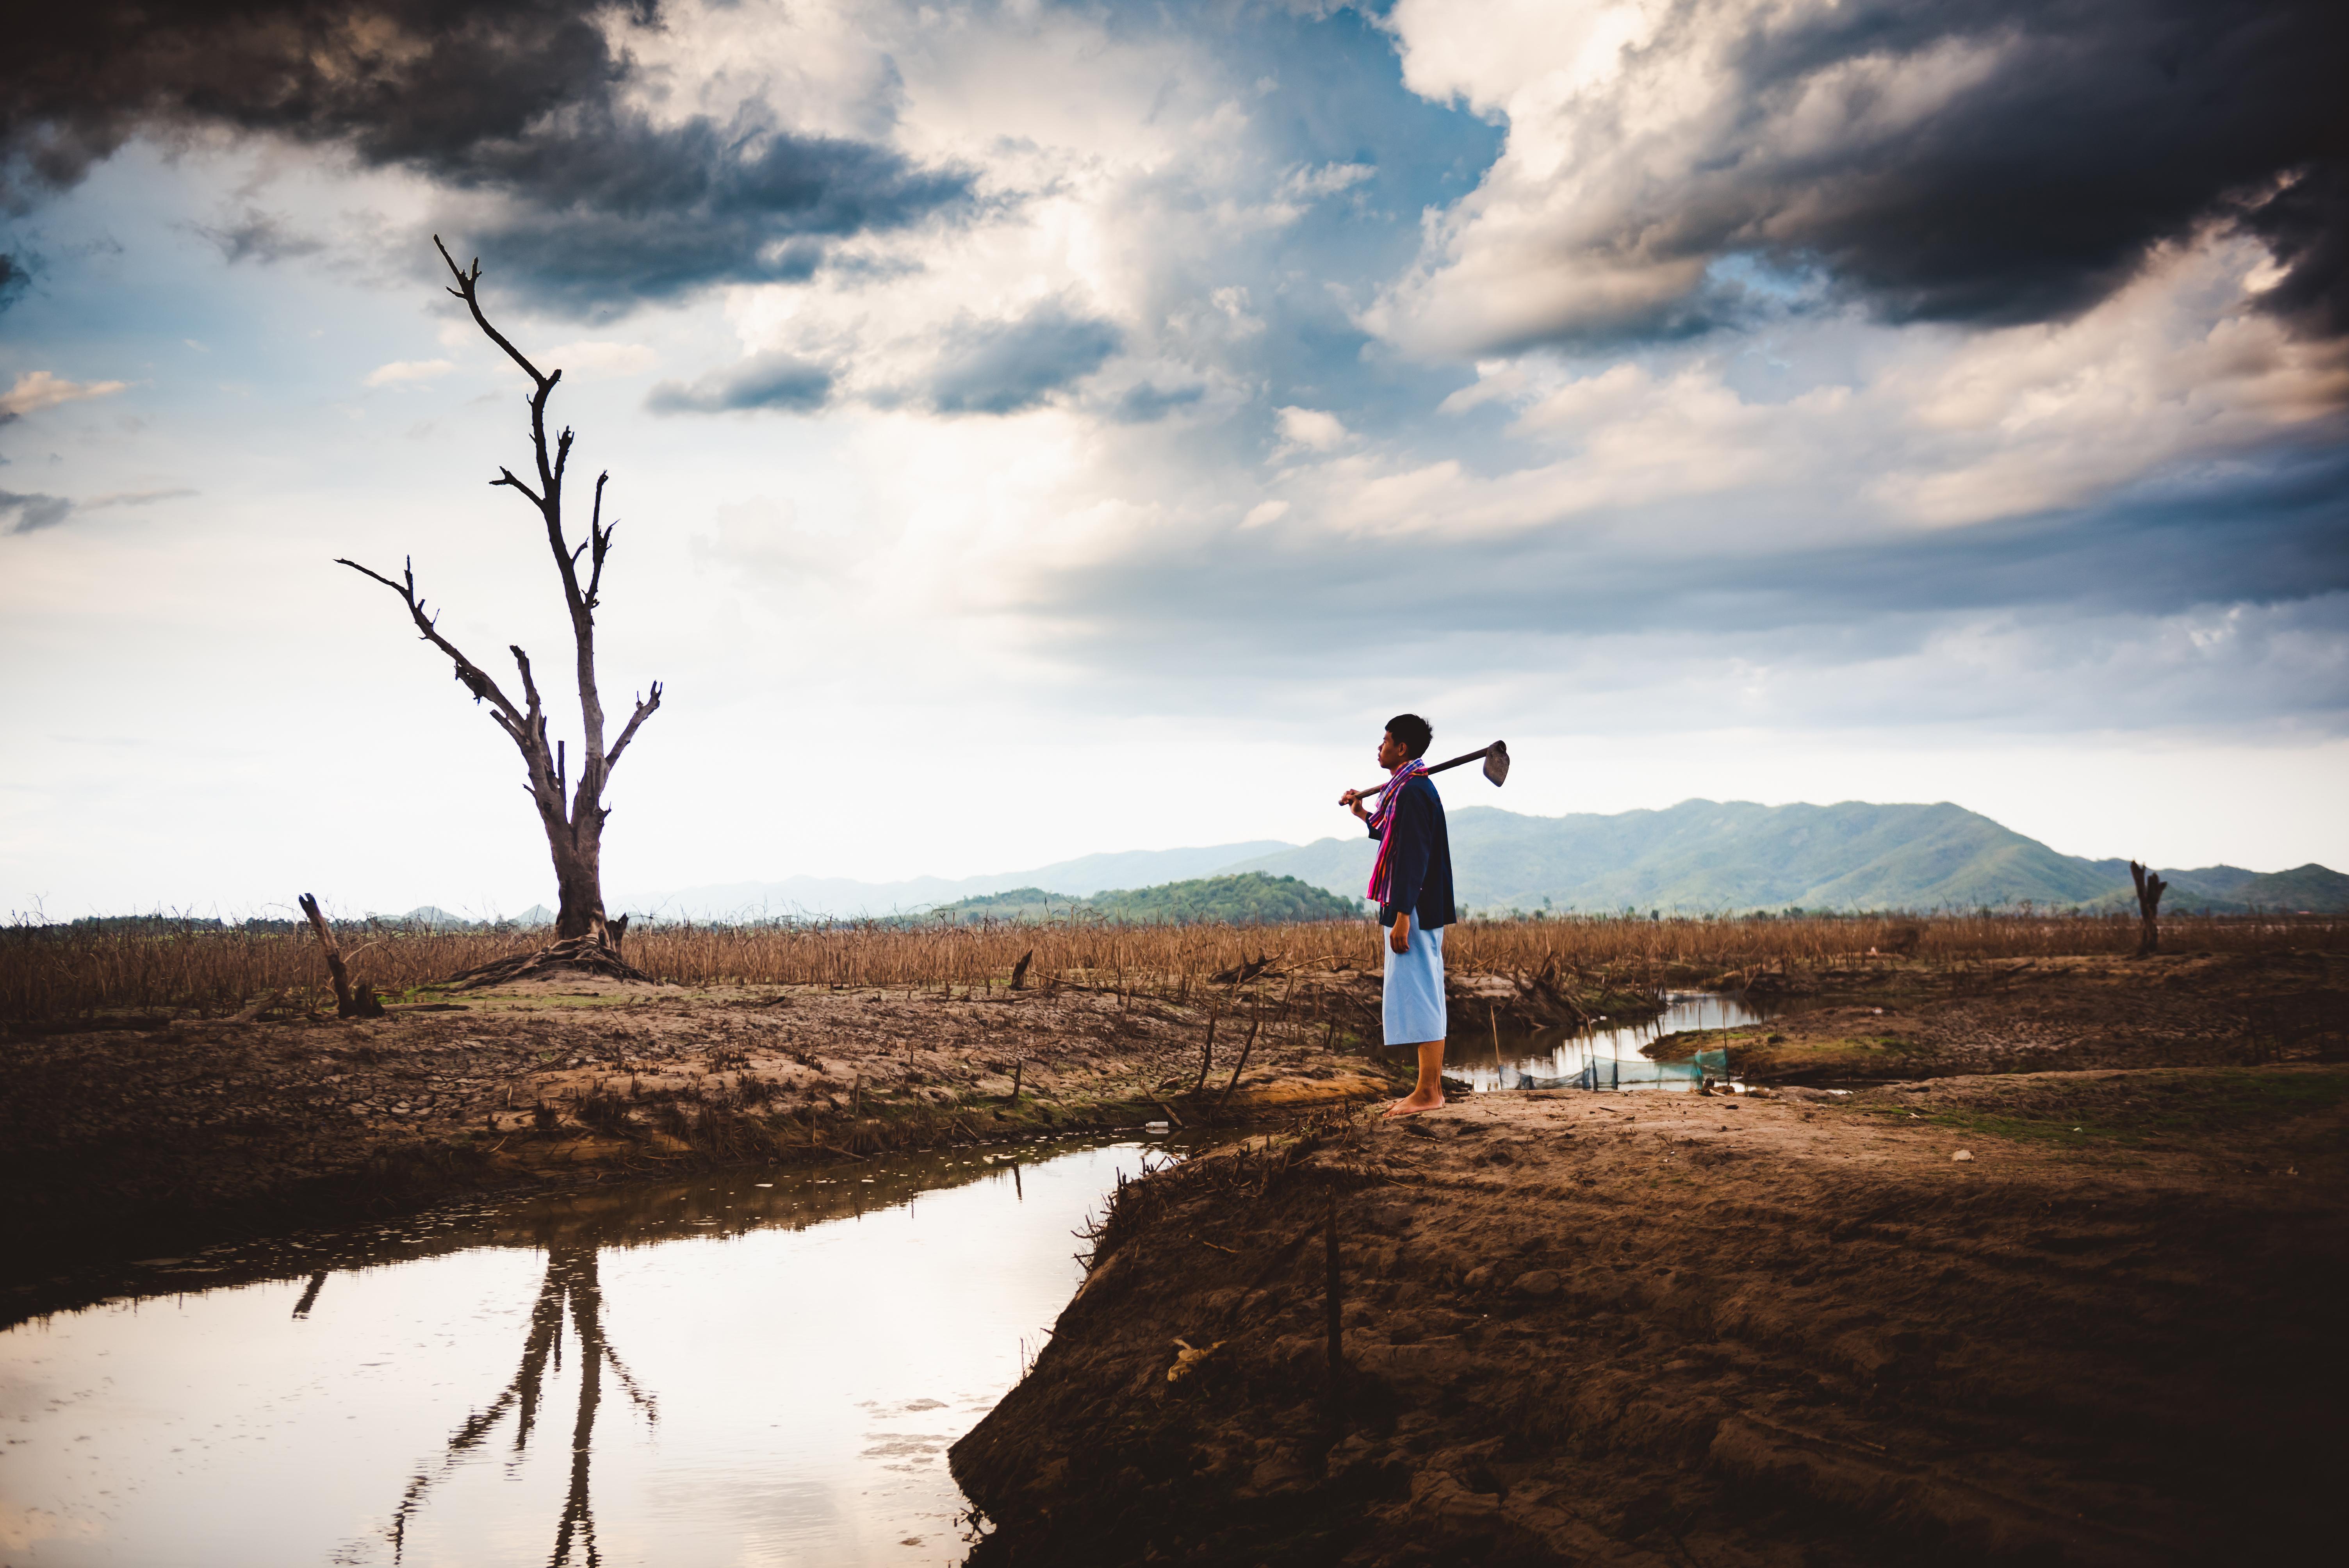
1419, 879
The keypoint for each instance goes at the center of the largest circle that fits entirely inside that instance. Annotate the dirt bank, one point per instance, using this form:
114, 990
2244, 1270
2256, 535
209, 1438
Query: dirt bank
129, 1140
1779, 1329
1899, 1021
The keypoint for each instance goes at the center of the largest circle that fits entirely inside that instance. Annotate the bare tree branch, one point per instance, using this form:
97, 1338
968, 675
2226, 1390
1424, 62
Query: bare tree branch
644, 711
505, 476
545, 775
465, 291
601, 538
536, 717
548, 496
476, 680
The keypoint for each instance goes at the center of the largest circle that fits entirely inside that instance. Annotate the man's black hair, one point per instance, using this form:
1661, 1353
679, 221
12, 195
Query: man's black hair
1414, 732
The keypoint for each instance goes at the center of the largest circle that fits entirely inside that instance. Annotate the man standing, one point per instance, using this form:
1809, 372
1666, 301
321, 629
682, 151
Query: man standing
1412, 884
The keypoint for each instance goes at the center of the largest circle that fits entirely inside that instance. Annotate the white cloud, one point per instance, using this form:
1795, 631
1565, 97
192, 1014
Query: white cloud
400, 371
1311, 430
134, 498
1501, 379
1934, 428
38, 389
763, 539
1327, 179
596, 358
2178, 366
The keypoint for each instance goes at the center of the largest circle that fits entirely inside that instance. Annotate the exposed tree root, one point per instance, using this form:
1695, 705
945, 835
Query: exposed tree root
577, 956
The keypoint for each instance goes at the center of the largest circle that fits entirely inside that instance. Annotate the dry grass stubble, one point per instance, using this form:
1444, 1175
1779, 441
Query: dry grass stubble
51, 975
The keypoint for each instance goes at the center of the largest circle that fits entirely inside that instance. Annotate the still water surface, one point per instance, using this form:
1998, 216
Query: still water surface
1607, 1058
762, 1369
745, 1369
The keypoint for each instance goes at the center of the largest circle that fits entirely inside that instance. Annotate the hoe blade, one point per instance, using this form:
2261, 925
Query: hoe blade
1496, 763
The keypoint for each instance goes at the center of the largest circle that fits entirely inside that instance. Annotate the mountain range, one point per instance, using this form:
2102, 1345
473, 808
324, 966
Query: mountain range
842, 898
1700, 856
1246, 898
1713, 856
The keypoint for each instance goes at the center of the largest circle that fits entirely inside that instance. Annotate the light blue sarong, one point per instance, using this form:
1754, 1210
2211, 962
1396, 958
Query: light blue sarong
1414, 987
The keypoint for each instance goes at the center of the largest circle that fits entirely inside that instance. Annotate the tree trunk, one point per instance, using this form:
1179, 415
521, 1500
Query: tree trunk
2149, 889
351, 1001
579, 882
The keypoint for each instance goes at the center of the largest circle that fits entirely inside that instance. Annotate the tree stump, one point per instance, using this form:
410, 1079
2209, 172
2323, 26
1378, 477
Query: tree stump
350, 1001
2149, 889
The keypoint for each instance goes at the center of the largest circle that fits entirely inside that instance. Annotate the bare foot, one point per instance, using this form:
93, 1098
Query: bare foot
1413, 1103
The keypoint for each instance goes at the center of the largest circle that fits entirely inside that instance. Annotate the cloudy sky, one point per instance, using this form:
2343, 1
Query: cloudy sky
1043, 428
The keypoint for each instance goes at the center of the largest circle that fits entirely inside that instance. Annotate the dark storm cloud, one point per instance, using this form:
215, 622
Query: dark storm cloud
258, 237
776, 381
609, 209
2306, 225
2106, 128
516, 97
404, 82
1002, 368
31, 514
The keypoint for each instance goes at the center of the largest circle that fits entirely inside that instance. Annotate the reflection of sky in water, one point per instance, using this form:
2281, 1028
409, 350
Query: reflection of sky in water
1553, 1054
805, 1385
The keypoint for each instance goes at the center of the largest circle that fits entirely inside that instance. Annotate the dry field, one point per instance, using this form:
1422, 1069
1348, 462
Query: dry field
58, 975
2044, 1317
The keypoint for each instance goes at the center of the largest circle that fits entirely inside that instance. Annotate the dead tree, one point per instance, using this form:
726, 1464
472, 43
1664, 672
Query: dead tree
351, 1001
2149, 889
572, 813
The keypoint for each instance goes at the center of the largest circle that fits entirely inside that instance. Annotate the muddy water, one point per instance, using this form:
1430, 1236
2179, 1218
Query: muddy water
1605, 1059
756, 1369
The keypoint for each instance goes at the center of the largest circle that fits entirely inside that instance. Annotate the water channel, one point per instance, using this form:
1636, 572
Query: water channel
752, 1369
1604, 1058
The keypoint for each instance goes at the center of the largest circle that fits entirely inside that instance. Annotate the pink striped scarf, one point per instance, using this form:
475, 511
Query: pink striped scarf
1382, 823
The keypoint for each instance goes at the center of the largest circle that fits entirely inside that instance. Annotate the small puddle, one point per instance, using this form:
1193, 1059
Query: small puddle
753, 1368
1606, 1059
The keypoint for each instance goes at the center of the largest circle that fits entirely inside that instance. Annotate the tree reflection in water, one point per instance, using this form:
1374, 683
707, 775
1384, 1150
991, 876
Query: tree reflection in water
570, 1283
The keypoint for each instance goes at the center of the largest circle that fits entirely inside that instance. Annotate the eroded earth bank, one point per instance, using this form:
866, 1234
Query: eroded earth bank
136, 1137
2060, 1280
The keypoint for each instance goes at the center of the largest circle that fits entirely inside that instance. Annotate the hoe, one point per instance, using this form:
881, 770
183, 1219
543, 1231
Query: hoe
1495, 757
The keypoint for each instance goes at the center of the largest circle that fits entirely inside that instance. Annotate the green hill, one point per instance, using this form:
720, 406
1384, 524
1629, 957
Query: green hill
1249, 899
1012, 904
2311, 887
2314, 888
1246, 899
1717, 856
